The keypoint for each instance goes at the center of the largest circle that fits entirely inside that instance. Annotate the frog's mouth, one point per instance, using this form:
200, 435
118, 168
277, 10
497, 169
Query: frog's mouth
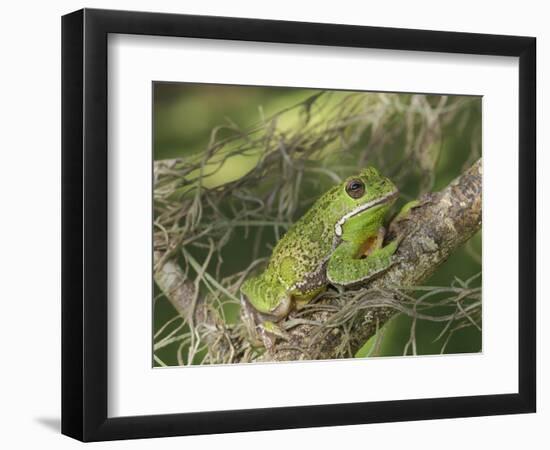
362, 208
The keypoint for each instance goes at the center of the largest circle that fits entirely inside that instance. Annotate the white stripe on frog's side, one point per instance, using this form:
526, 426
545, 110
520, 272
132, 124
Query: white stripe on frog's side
338, 227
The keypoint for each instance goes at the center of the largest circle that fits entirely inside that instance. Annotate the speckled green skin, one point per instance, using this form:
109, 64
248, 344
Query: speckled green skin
326, 247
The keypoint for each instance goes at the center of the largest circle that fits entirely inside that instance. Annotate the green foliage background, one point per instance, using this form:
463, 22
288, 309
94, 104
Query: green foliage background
184, 117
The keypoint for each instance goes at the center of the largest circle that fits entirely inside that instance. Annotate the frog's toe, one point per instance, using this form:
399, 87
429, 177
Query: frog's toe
269, 333
272, 328
250, 318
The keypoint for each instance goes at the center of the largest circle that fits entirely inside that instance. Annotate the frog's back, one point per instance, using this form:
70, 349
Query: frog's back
301, 252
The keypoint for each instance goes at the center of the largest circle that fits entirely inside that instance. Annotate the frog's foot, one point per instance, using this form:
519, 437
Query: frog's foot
399, 227
406, 210
250, 319
261, 328
269, 332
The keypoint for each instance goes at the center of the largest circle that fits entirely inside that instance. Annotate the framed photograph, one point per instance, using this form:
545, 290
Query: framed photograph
273, 224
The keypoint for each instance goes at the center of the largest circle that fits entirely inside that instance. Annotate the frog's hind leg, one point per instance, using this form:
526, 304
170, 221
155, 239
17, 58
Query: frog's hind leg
268, 329
283, 306
300, 300
260, 317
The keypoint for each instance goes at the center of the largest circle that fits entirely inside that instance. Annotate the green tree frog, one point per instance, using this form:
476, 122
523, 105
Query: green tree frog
339, 241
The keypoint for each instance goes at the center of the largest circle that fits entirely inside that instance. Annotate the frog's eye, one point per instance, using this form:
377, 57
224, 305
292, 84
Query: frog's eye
355, 188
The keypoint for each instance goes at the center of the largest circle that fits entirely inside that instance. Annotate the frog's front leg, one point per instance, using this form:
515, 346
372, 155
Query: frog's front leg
346, 267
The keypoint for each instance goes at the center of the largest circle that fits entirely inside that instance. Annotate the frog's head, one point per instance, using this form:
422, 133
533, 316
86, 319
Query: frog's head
364, 200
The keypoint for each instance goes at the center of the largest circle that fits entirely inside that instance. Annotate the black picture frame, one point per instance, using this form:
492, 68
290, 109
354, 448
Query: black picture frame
84, 224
